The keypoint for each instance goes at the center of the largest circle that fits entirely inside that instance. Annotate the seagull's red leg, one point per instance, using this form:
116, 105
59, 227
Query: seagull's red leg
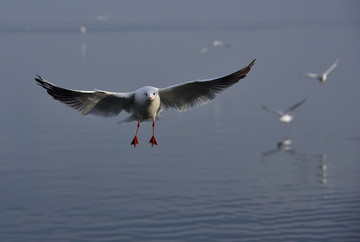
153, 140
135, 140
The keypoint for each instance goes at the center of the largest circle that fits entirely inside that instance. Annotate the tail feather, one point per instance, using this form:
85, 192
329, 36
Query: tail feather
128, 119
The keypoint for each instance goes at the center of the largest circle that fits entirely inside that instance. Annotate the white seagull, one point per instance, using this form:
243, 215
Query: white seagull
322, 78
145, 103
285, 117
215, 43
103, 18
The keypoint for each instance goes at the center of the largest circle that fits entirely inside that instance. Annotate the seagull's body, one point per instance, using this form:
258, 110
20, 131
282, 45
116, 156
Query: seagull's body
322, 77
285, 117
145, 103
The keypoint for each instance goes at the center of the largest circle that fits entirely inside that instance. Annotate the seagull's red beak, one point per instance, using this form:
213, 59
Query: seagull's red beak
150, 98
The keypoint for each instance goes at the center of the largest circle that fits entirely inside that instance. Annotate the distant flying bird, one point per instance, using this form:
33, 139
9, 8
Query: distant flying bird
145, 103
83, 29
103, 18
285, 117
322, 78
215, 43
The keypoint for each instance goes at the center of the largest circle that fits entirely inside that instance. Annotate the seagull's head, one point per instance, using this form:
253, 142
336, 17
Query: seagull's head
149, 93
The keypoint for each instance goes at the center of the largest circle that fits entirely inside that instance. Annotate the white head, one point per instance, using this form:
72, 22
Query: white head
147, 93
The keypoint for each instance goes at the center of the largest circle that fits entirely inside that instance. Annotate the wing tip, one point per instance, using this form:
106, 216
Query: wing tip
42, 82
38, 78
244, 71
238, 75
252, 63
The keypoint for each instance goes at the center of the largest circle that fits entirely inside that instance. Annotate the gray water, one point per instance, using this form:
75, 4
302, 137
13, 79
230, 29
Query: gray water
217, 173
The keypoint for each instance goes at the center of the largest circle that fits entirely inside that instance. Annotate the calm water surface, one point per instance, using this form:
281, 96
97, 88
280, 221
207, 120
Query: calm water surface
218, 173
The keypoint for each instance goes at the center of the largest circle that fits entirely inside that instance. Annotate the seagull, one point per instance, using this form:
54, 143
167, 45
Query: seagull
146, 103
215, 43
83, 29
322, 78
103, 18
285, 117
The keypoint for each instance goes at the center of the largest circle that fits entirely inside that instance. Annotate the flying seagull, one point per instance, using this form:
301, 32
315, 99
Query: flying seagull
322, 78
103, 18
285, 117
145, 103
215, 43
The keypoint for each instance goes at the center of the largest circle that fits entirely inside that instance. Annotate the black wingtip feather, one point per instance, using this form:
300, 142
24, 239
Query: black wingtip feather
236, 76
43, 83
39, 78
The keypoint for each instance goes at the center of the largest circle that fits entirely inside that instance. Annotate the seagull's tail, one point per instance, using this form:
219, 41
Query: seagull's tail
128, 119
132, 118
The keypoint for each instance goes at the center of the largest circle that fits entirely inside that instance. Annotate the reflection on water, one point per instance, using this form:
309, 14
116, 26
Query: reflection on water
285, 145
83, 48
323, 167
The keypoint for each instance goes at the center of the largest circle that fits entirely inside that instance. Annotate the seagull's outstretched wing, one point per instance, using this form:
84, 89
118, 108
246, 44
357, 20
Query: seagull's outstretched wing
292, 108
278, 113
191, 94
311, 75
332, 67
96, 102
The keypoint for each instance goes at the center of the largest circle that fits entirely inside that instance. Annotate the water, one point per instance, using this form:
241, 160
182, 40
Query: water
218, 173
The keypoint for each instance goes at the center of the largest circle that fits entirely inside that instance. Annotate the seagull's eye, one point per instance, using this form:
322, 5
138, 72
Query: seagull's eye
154, 93
145, 94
